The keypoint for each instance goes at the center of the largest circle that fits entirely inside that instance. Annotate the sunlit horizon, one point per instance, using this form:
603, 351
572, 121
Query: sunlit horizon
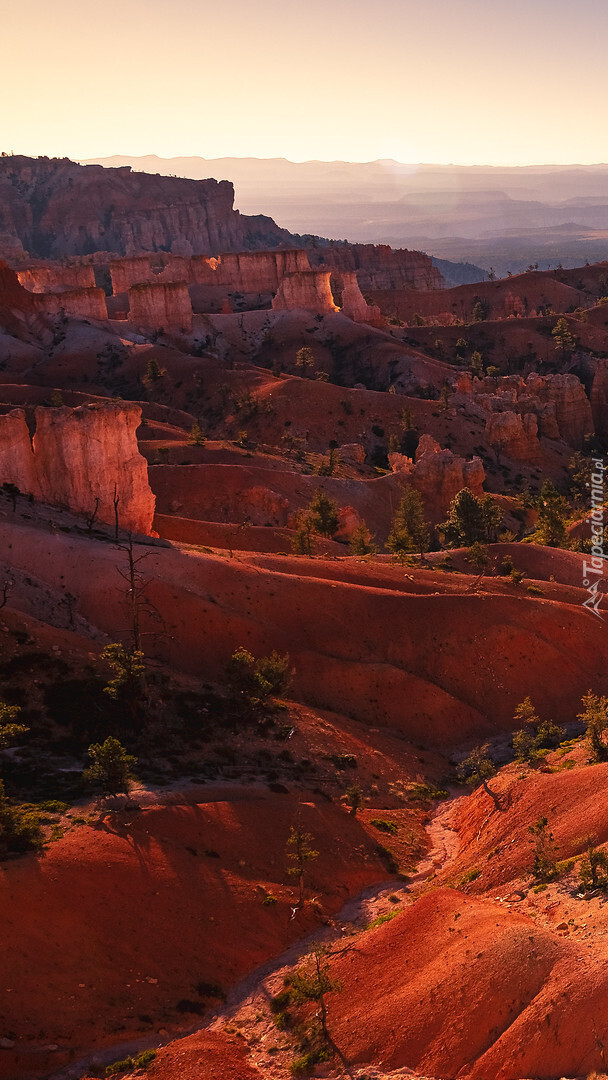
514, 85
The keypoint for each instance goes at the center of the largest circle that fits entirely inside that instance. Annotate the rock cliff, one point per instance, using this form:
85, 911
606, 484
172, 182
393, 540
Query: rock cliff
52, 207
161, 305
76, 458
308, 289
380, 267
438, 475
57, 277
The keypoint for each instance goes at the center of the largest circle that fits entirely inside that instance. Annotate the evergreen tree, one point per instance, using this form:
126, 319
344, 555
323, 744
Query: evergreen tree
323, 513
410, 531
466, 521
553, 512
563, 338
111, 766
595, 718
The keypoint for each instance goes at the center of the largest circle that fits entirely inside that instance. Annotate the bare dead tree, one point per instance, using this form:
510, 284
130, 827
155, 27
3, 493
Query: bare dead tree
116, 500
138, 602
137, 584
91, 519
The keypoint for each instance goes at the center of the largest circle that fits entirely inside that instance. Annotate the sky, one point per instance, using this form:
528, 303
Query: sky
446, 81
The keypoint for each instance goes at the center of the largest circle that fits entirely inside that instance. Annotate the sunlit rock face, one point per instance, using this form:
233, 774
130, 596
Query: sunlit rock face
159, 305
80, 459
308, 290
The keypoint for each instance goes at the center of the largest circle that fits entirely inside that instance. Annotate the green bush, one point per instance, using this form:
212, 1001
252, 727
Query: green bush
19, 829
384, 825
381, 919
307, 1061
128, 1064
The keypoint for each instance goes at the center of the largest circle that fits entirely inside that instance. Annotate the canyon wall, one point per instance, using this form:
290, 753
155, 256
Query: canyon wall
519, 410
80, 456
161, 305
52, 207
307, 289
76, 303
57, 277
380, 267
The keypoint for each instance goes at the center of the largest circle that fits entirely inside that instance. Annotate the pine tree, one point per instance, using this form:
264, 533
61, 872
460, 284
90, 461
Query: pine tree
410, 531
466, 521
300, 853
324, 515
563, 338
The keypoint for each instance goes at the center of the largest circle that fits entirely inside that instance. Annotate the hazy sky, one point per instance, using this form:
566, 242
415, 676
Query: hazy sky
463, 81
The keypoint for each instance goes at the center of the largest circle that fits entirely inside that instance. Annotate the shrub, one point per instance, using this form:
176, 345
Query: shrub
197, 436
19, 829
381, 919
410, 531
255, 681
323, 513
544, 864
594, 869
362, 541
477, 767
384, 825
129, 1064
10, 732
535, 734
302, 1065
471, 875
111, 768
595, 718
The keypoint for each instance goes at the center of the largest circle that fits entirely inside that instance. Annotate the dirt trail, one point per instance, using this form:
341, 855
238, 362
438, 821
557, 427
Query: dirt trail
247, 1004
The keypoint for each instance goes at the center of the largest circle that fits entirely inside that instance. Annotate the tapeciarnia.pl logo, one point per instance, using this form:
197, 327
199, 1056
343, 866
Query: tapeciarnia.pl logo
593, 571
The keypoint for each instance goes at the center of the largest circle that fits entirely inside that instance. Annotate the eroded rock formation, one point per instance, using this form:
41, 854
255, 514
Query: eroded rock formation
53, 207
57, 277
76, 303
551, 406
78, 458
161, 305
307, 289
514, 435
438, 474
380, 267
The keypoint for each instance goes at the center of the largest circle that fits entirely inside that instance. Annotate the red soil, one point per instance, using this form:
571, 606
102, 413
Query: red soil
460, 657
207, 1055
116, 923
457, 986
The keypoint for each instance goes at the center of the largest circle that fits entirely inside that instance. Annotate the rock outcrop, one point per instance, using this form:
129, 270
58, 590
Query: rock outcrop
76, 303
245, 271
380, 267
52, 207
58, 277
438, 475
161, 305
551, 406
354, 304
598, 397
307, 289
78, 459
514, 435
